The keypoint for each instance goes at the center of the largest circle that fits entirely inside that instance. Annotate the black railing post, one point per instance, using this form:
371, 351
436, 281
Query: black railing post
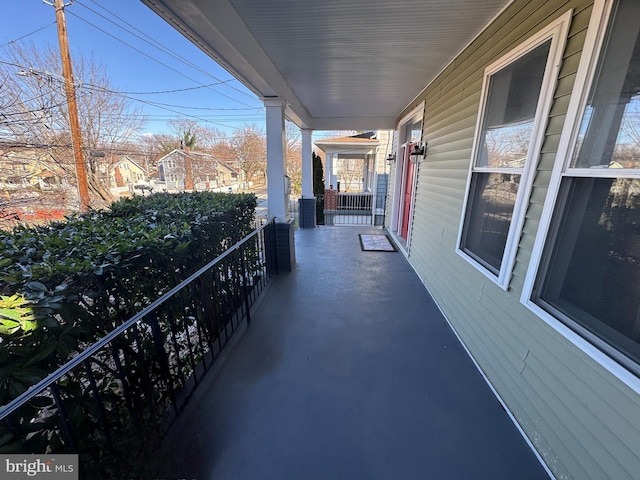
158, 341
64, 418
125, 384
245, 275
98, 399
143, 363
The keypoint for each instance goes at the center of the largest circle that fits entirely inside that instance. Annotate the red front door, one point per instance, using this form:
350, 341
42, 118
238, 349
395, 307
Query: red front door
408, 191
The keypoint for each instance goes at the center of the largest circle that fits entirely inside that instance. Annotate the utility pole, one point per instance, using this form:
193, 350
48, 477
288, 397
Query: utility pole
72, 106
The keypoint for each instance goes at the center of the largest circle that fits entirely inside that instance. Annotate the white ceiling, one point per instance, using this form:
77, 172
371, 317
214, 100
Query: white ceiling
339, 64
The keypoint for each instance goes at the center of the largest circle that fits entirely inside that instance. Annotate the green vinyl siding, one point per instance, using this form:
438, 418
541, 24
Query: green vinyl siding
583, 421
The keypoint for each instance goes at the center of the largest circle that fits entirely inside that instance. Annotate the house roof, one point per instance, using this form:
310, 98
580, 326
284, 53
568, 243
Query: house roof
192, 153
227, 167
46, 174
336, 64
184, 153
125, 159
36, 160
355, 142
362, 141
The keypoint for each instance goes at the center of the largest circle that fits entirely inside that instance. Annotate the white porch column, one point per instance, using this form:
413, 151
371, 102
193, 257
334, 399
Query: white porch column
307, 164
328, 171
276, 160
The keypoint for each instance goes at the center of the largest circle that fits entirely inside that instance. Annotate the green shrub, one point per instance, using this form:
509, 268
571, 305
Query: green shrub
65, 285
87, 275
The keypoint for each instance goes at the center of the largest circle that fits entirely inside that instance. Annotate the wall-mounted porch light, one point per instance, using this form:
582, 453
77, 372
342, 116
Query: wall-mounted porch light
391, 158
418, 152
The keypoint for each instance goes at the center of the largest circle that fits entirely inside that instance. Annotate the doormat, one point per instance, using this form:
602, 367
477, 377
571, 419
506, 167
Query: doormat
376, 243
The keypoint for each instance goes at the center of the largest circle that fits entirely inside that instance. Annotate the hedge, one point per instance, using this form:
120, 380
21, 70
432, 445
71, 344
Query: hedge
65, 285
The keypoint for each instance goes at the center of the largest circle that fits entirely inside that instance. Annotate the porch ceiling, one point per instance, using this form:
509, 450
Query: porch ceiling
337, 64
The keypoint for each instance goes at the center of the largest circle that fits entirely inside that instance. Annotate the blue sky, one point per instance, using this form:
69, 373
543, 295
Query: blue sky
108, 31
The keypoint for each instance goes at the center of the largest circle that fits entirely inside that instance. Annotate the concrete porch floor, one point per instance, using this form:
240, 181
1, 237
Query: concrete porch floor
348, 371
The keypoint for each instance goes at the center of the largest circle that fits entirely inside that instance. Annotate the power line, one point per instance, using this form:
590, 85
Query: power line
178, 89
91, 87
161, 106
155, 59
156, 44
27, 35
158, 92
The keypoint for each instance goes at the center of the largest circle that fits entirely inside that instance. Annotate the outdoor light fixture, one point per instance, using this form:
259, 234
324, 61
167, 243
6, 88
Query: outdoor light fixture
391, 158
418, 152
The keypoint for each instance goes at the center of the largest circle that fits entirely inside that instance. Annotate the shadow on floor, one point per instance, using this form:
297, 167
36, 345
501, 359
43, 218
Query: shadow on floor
348, 371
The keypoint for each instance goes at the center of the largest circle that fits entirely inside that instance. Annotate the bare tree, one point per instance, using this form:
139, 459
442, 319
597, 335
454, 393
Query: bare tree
34, 108
223, 150
209, 138
628, 150
187, 132
507, 146
294, 156
160, 144
249, 147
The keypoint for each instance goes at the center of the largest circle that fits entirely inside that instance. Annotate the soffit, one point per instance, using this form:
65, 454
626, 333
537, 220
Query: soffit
337, 64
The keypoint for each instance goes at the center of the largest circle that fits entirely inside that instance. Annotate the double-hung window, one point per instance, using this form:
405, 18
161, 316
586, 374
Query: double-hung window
589, 267
517, 94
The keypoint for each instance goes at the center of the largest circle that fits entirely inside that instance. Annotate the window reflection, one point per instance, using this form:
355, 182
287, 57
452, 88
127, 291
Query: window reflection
512, 100
493, 197
507, 146
609, 135
594, 273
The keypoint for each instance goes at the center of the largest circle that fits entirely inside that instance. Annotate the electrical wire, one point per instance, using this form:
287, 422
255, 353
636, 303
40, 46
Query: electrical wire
177, 90
97, 88
167, 107
125, 94
27, 35
155, 59
158, 92
156, 44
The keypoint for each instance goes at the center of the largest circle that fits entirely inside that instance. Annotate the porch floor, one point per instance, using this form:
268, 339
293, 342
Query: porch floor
348, 371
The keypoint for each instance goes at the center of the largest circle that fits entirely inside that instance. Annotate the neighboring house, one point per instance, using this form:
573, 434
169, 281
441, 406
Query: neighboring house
33, 187
501, 193
125, 172
226, 174
356, 177
188, 170
352, 163
21, 168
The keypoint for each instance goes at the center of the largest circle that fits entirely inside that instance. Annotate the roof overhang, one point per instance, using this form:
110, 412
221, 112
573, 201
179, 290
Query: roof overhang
347, 145
337, 65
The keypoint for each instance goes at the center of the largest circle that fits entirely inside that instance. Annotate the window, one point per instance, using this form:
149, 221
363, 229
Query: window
589, 273
516, 101
413, 131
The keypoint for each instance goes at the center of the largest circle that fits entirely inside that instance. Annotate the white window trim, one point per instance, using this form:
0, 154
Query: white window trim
557, 32
592, 48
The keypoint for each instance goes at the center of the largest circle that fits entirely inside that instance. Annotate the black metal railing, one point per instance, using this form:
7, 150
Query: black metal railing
112, 403
341, 208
